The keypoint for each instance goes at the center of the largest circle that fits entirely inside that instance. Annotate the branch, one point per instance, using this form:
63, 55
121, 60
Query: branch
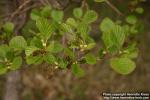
43, 2
114, 8
19, 9
22, 11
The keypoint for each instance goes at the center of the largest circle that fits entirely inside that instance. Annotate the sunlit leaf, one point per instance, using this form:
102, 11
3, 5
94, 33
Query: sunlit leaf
29, 50
49, 58
17, 62
118, 35
131, 19
57, 15
90, 16
63, 64
54, 47
18, 42
122, 66
71, 22
8, 27
107, 39
90, 59
106, 25
131, 51
90, 46
35, 14
139, 10
66, 28
34, 60
46, 11
36, 42
3, 50
113, 35
77, 12
45, 27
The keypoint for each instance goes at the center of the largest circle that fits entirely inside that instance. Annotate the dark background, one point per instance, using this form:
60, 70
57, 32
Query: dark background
36, 84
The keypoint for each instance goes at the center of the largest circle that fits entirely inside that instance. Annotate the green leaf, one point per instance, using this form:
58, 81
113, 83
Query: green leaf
29, 50
131, 51
90, 59
18, 42
34, 60
90, 16
17, 62
57, 15
139, 10
77, 12
114, 39
122, 66
83, 29
54, 47
132, 55
77, 70
36, 42
119, 35
90, 46
90, 40
35, 14
66, 28
49, 58
113, 50
99, 0
3, 69
73, 46
46, 11
107, 25
46, 29
131, 19
107, 39
10, 54
8, 27
133, 30
63, 64
126, 29
4, 50
71, 22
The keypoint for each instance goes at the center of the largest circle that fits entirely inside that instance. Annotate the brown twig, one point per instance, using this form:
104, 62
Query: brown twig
62, 7
43, 2
114, 8
48, 3
55, 4
28, 8
84, 5
19, 9
21, 12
